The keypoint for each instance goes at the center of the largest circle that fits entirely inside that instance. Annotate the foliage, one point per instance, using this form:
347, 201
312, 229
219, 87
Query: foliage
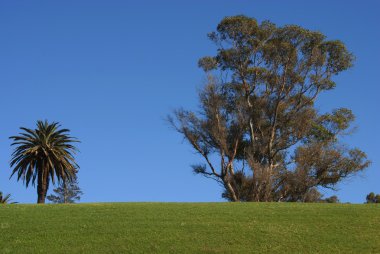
257, 128
372, 198
44, 153
6, 199
190, 228
67, 192
332, 199
314, 196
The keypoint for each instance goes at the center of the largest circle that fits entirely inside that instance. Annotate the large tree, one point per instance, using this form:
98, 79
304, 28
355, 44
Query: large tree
257, 128
44, 154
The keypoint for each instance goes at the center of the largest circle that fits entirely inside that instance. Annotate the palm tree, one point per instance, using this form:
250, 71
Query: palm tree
44, 154
5, 199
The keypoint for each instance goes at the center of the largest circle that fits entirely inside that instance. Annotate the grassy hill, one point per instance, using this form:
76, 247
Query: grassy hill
190, 228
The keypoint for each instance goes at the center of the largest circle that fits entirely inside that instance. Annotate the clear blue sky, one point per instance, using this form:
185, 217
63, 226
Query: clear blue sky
112, 70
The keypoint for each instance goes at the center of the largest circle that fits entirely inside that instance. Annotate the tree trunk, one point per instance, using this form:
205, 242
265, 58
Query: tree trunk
42, 186
64, 192
231, 191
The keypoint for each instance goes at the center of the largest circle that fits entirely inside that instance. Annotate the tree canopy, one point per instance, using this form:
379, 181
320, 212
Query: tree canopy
257, 127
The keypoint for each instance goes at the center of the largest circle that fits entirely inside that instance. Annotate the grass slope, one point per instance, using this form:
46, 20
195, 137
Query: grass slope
190, 228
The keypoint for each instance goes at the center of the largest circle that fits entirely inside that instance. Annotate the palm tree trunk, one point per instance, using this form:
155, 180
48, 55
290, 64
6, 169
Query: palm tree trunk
64, 192
42, 186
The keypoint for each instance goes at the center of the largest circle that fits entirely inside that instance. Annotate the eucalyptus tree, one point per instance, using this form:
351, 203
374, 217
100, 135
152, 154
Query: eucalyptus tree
257, 127
44, 154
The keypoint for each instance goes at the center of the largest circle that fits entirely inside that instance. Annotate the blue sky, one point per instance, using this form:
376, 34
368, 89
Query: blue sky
112, 70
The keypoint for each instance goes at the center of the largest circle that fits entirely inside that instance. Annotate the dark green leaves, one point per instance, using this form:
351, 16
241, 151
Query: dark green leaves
46, 148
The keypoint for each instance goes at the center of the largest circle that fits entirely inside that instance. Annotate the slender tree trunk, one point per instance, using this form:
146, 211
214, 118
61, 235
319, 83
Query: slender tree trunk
231, 191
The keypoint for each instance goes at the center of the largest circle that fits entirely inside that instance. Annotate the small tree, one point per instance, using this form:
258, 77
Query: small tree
67, 192
372, 198
332, 199
6, 199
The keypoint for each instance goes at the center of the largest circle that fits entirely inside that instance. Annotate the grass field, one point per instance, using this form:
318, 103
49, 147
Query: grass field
190, 228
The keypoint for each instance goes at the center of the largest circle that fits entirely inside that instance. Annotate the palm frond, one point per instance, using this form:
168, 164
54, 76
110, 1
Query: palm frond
6, 199
48, 149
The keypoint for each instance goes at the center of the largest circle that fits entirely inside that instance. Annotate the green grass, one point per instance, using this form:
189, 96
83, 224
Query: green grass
190, 228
